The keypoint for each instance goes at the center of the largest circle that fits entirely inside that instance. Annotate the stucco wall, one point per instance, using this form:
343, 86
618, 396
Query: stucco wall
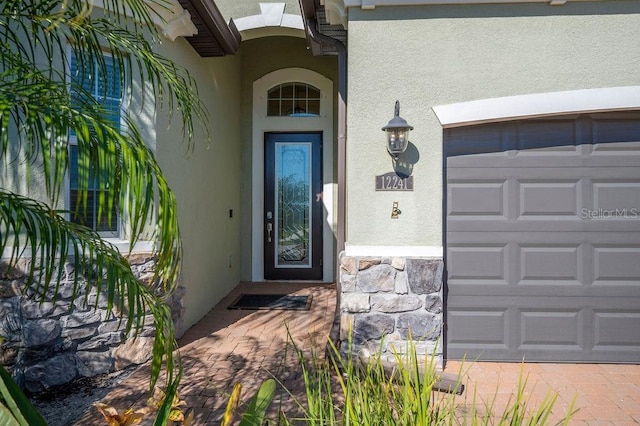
206, 181
433, 55
260, 57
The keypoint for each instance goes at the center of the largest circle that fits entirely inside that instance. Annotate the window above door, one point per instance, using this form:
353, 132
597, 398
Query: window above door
293, 99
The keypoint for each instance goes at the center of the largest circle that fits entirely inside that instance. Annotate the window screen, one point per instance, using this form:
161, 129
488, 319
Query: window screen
106, 91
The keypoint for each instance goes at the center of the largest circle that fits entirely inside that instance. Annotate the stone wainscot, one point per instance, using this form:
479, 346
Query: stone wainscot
53, 342
384, 300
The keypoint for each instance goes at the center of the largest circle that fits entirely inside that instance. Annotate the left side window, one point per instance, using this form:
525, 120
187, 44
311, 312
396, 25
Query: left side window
106, 91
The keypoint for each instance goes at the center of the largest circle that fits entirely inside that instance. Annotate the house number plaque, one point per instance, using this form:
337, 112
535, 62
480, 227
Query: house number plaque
392, 182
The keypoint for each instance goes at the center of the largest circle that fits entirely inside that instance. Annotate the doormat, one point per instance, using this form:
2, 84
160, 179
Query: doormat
272, 301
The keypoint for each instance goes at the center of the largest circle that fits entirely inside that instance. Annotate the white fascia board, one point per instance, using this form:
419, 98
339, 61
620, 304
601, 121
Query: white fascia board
372, 4
538, 105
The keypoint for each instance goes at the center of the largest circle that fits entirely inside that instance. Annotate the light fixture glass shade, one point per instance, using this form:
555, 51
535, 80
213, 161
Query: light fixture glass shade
397, 133
398, 140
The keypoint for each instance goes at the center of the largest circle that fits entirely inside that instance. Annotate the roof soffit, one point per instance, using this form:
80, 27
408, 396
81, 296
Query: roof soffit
314, 13
214, 36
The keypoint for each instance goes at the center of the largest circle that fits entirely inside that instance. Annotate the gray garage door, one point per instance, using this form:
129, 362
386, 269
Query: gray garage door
543, 240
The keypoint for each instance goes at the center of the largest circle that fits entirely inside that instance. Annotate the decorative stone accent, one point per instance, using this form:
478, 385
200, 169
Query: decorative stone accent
433, 303
368, 263
384, 300
348, 283
373, 280
356, 303
90, 363
421, 326
54, 342
40, 332
398, 263
424, 276
133, 351
374, 326
349, 265
402, 283
52, 372
390, 304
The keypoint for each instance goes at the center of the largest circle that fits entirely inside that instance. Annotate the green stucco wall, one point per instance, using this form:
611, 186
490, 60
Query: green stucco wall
434, 55
260, 57
206, 181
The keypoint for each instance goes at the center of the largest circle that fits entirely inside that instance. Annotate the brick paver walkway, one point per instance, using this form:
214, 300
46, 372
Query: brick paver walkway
245, 346
230, 346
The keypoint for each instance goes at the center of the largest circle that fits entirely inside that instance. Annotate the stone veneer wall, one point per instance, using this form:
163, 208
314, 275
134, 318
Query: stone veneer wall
46, 344
382, 298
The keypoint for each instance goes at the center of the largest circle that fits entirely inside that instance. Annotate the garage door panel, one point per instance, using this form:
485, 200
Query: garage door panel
534, 264
484, 140
477, 199
478, 264
548, 137
616, 330
614, 135
615, 265
561, 264
543, 328
567, 325
591, 221
624, 154
486, 327
616, 198
543, 240
551, 199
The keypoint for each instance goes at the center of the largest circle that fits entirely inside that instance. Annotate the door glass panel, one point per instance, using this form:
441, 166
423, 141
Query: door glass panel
293, 210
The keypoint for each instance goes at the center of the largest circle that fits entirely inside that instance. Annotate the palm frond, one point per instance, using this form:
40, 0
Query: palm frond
41, 107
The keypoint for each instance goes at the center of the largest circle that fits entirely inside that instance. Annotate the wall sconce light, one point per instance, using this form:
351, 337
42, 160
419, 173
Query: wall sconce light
397, 133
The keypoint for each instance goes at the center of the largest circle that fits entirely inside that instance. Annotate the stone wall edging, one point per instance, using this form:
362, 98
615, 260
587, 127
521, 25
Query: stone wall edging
52, 342
388, 302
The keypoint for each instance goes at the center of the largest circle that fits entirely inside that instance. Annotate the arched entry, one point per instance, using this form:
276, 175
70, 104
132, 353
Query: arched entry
292, 114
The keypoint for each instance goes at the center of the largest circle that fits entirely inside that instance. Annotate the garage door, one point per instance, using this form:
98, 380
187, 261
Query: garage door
543, 240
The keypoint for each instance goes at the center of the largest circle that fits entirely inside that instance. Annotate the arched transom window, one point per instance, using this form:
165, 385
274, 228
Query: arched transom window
293, 100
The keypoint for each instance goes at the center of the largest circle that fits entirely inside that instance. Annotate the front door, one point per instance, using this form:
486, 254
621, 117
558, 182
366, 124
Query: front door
293, 206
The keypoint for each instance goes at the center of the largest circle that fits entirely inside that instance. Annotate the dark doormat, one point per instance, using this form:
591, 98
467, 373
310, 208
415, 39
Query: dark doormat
272, 301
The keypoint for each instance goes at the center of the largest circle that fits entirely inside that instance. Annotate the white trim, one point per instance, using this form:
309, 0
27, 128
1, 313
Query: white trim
261, 124
122, 246
538, 105
393, 251
272, 15
372, 4
169, 16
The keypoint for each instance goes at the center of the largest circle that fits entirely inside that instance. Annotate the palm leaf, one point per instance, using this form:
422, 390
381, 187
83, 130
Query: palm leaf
15, 408
37, 115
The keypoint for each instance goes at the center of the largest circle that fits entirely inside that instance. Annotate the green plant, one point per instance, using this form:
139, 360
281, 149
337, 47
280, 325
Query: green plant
40, 108
15, 408
255, 412
345, 389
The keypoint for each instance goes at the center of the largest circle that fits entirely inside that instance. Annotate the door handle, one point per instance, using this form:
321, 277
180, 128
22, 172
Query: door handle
269, 229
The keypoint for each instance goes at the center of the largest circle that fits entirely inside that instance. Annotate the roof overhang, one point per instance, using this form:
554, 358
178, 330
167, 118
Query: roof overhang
319, 30
214, 37
336, 10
